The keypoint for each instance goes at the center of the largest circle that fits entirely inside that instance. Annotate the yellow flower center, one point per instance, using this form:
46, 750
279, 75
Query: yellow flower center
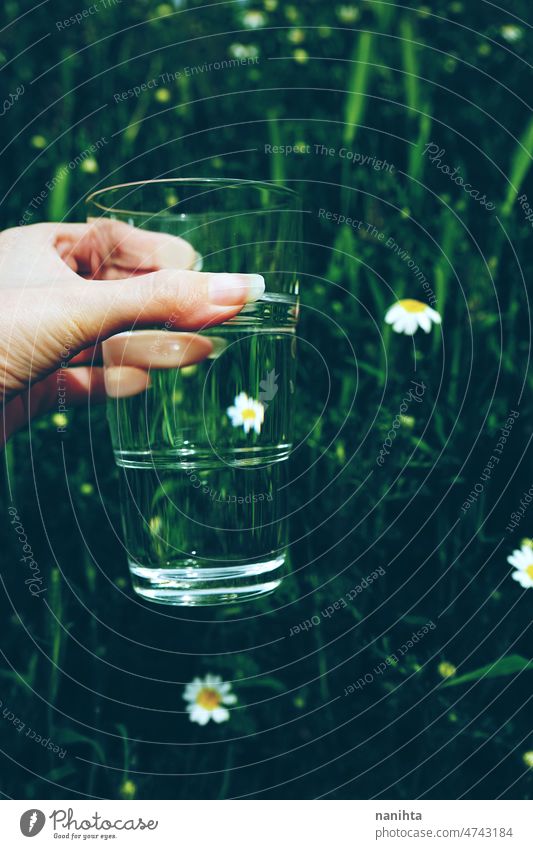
529, 571
208, 698
411, 305
248, 413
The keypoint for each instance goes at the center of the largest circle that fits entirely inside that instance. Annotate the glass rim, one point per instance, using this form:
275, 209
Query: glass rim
220, 182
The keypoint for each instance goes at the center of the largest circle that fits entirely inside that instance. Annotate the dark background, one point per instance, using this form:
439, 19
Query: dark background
101, 673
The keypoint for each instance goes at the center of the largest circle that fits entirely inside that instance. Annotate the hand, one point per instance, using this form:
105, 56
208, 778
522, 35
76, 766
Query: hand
66, 287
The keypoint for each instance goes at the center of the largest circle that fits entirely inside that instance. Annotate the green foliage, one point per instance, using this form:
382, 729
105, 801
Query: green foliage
359, 78
520, 165
102, 674
513, 664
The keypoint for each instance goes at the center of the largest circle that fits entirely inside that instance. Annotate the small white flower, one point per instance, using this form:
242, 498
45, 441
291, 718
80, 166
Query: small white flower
247, 412
408, 315
522, 560
254, 19
511, 33
207, 698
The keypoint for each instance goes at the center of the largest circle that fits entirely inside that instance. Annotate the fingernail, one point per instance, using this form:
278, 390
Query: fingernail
227, 290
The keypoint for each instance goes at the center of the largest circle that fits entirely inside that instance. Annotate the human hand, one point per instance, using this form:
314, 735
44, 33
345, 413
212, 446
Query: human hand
67, 287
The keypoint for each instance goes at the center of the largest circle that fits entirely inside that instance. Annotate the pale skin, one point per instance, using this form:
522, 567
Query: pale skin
64, 288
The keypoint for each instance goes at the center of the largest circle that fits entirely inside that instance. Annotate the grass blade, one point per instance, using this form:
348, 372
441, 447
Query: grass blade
520, 165
357, 86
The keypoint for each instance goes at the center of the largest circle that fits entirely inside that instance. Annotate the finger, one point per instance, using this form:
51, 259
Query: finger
130, 356
83, 384
90, 356
112, 272
106, 244
156, 349
124, 381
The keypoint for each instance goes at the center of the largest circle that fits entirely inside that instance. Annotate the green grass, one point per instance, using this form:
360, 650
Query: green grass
102, 675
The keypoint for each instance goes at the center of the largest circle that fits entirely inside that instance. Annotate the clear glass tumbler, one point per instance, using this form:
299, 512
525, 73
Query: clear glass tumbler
201, 448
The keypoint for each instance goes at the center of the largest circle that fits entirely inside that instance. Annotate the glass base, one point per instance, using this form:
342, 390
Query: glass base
190, 585
172, 459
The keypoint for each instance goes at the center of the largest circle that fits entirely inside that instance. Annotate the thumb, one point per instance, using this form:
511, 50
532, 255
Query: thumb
180, 300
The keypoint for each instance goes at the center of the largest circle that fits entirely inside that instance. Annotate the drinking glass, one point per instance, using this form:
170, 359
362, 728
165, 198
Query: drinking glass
202, 449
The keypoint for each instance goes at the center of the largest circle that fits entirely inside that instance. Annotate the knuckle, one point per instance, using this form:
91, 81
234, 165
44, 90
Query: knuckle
170, 293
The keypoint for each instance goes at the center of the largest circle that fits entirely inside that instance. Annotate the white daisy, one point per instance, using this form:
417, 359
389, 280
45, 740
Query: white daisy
207, 698
408, 315
522, 560
247, 412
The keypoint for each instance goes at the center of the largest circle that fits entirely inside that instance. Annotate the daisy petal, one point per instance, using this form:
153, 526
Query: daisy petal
523, 579
220, 714
411, 326
399, 324
202, 718
392, 314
